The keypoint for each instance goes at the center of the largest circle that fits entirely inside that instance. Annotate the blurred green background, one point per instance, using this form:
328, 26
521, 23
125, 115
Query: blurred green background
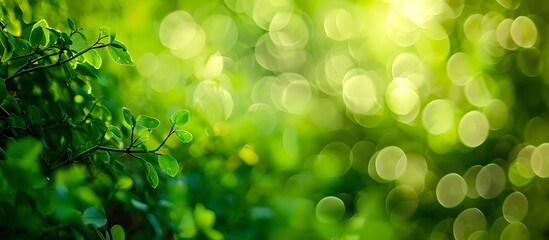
372, 119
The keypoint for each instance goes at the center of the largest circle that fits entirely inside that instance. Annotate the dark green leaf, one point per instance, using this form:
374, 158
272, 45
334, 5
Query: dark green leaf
39, 34
93, 58
168, 164
128, 116
34, 115
152, 176
183, 135
147, 121
180, 117
16, 122
72, 26
3, 93
116, 131
94, 216
12, 102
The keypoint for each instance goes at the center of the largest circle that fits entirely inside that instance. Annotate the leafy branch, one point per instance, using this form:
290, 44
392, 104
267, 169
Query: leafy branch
167, 163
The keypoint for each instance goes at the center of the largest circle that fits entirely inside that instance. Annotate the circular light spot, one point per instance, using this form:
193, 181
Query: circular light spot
480, 91
438, 116
503, 34
296, 97
330, 209
414, 175
540, 160
472, 27
470, 177
402, 100
288, 30
524, 32
497, 113
177, 30
360, 94
509, 4
451, 190
147, 64
333, 161
515, 177
467, 222
213, 100
515, 231
265, 10
194, 47
167, 73
339, 24
213, 67
535, 131
220, 25
473, 129
390, 163
460, 69
407, 63
515, 207
400, 29
530, 62
401, 202
490, 181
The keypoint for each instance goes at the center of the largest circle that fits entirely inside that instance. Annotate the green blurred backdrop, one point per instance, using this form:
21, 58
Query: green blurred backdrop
372, 119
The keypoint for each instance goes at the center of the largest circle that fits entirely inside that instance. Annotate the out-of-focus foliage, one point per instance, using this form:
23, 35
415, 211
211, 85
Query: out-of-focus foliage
329, 119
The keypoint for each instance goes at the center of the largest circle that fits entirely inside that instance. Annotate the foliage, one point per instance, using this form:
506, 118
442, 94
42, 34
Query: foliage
64, 161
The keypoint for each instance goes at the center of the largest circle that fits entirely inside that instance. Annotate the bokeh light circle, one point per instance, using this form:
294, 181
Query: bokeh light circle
451, 190
390, 163
473, 128
330, 209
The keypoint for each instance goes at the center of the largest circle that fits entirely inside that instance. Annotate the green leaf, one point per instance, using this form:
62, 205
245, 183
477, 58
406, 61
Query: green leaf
3, 92
116, 131
183, 135
147, 121
45, 205
8, 46
168, 164
34, 115
16, 122
11, 101
118, 233
119, 53
128, 116
72, 26
152, 176
40, 35
180, 117
94, 216
124, 183
93, 58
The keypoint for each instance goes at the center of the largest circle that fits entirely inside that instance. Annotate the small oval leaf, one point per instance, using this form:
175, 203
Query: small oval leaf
183, 135
72, 26
128, 116
117, 232
168, 164
93, 58
180, 117
147, 121
116, 131
94, 216
152, 176
119, 53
